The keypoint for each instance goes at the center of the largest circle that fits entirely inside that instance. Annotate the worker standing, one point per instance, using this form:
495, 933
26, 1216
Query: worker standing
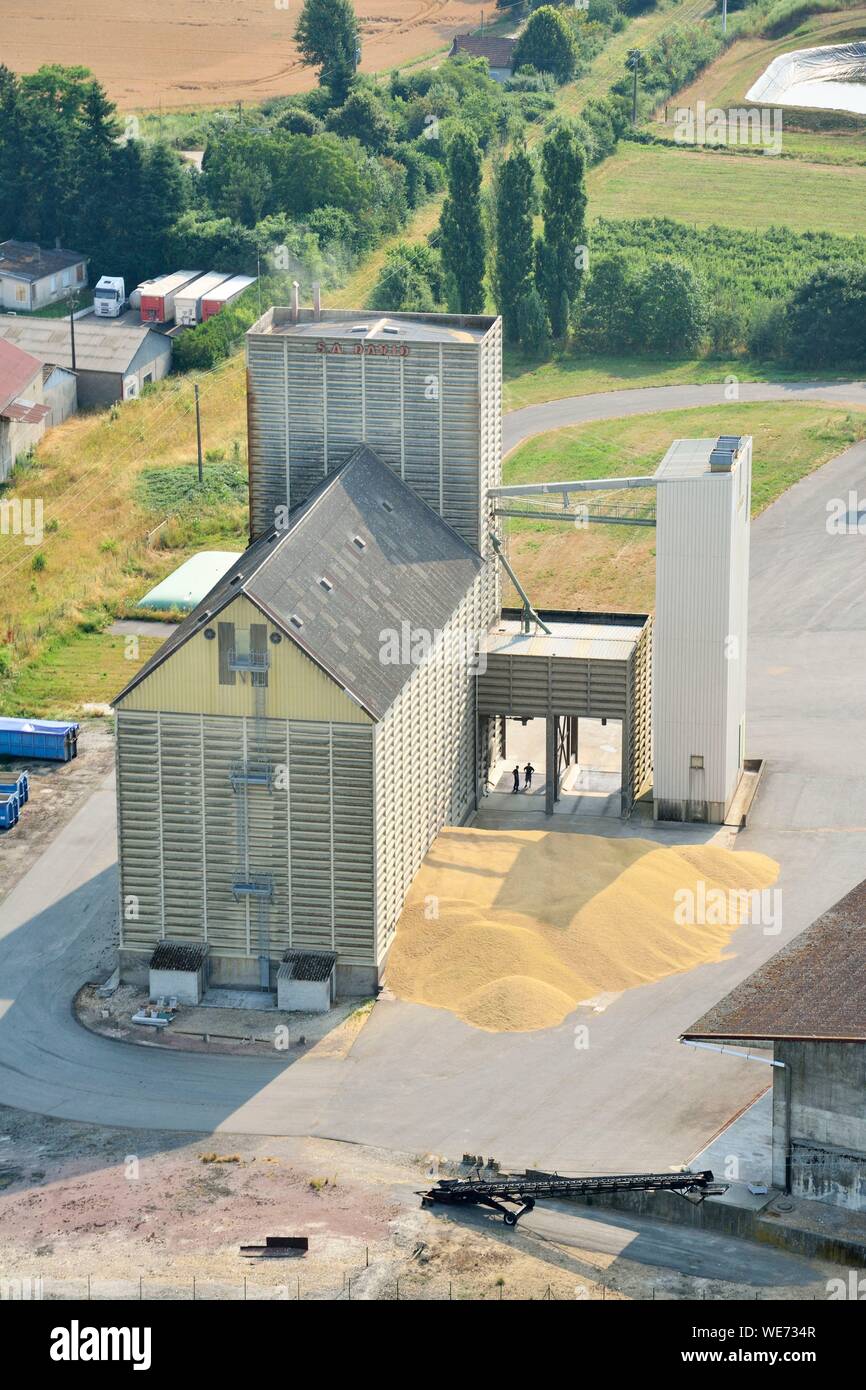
527, 774
516, 776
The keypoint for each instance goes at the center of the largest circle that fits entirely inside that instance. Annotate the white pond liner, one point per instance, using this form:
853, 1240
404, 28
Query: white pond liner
825, 78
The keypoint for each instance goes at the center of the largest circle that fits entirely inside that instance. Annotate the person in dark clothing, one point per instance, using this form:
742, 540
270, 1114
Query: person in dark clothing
527, 774
516, 775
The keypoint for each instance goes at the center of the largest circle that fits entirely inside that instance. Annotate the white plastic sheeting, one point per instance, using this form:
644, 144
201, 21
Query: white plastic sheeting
832, 78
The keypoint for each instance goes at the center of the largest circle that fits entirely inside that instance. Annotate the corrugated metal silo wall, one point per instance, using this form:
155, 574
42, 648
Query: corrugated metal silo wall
695, 566
184, 842
426, 757
639, 724
433, 415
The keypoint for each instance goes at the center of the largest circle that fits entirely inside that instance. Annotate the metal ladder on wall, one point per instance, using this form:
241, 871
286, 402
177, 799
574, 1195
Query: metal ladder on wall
255, 771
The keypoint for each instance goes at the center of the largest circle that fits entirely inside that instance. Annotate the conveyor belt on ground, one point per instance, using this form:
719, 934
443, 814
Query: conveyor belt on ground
523, 1192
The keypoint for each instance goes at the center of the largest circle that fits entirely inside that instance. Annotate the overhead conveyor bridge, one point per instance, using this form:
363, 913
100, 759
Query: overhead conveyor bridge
523, 1192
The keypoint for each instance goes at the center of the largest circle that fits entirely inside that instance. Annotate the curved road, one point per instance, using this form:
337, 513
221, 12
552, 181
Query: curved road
418, 1079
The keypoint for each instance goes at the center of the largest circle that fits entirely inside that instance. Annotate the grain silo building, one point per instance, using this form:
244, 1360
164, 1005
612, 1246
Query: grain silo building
286, 758
423, 390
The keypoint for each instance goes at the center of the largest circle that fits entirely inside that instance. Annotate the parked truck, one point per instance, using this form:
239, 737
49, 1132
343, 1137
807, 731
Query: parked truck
224, 294
109, 297
188, 301
158, 296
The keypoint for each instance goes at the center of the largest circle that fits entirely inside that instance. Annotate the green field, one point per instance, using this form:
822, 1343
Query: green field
614, 566
752, 192
88, 669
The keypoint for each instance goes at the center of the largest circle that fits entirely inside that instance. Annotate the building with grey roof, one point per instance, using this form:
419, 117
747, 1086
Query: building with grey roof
31, 278
807, 1004
113, 362
287, 756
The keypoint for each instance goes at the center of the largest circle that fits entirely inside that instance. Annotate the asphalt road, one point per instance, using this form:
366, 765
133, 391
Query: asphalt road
418, 1079
518, 425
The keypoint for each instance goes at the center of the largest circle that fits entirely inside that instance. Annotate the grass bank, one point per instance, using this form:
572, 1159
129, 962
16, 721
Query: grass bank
614, 566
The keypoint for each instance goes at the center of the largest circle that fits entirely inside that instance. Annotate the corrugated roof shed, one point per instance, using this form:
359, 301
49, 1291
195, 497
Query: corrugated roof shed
307, 965
98, 347
364, 553
814, 988
178, 955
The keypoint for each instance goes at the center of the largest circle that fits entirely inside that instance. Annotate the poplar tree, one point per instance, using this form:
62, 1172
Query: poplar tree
461, 229
561, 250
515, 251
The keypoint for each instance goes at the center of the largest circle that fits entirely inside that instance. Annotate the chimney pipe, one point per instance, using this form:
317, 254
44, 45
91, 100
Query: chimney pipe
296, 301
317, 301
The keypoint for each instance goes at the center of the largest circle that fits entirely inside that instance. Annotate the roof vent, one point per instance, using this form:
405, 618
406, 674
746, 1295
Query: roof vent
387, 506
391, 328
296, 621
325, 583
359, 542
359, 328
725, 450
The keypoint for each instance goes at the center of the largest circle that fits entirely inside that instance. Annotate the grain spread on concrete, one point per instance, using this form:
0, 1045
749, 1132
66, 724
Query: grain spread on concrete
512, 929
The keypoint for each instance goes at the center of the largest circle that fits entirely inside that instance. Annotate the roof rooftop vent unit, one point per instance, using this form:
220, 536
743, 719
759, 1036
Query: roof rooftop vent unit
359, 328
725, 450
392, 328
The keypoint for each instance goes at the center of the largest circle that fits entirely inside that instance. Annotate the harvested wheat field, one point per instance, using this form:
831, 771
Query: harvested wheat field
178, 53
512, 929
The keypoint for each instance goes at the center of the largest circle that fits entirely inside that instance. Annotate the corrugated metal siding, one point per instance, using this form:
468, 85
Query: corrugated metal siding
187, 836
540, 686
698, 688
426, 761
639, 724
188, 682
433, 415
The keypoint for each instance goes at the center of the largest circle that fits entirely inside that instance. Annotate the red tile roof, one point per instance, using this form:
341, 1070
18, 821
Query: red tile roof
17, 371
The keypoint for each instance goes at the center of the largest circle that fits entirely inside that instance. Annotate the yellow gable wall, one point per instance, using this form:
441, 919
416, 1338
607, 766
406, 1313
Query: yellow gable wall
188, 682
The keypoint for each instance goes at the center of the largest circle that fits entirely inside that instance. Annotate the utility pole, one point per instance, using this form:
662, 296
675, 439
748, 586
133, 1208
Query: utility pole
198, 434
72, 302
724, 16
633, 61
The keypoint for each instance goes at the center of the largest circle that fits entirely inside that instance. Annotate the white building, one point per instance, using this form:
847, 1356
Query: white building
703, 491
31, 278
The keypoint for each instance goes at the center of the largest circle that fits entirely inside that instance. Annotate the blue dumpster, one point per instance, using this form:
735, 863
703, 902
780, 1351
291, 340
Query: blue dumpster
8, 811
19, 787
38, 738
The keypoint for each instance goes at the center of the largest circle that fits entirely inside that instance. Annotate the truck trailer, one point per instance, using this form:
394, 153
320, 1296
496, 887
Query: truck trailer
158, 297
188, 301
225, 294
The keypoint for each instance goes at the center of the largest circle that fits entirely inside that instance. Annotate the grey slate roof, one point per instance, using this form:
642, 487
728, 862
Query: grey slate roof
813, 989
26, 260
412, 568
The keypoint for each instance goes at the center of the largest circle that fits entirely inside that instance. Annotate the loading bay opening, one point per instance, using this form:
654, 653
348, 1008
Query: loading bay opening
546, 697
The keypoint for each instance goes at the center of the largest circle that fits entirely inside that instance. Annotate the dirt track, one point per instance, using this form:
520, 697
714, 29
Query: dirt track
209, 52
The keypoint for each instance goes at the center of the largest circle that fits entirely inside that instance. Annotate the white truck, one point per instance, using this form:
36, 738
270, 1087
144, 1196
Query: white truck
109, 297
